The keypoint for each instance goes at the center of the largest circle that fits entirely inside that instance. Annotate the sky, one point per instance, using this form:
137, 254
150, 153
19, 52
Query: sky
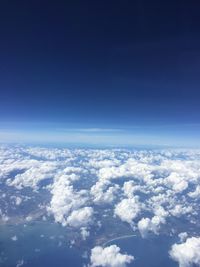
114, 72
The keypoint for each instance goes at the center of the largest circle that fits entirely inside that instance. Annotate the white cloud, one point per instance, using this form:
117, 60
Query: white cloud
179, 210
32, 176
109, 257
102, 192
131, 168
129, 188
128, 209
188, 253
65, 199
84, 233
196, 193
105, 163
146, 225
177, 182
80, 217
18, 200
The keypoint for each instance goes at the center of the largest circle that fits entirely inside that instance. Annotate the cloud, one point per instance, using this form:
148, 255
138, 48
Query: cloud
146, 225
17, 200
128, 209
196, 193
131, 168
32, 176
103, 193
187, 254
177, 182
179, 210
65, 199
129, 188
84, 233
80, 217
109, 257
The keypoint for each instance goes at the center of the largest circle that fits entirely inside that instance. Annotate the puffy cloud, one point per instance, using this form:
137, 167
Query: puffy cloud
129, 188
84, 233
179, 210
196, 193
109, 257
128, 209
131, 168
188, 253
65, 199
80, 217
146, 225
72, 169
32, 176
177, 182
160, 212
98, 164
102, 192
17, 200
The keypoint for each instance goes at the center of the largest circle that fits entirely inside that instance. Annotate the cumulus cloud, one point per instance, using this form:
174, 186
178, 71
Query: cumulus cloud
131, 168
32, 176
129, 188
103, 192
179, 210
128, 209
146, 225
188, 253
177, 182
65, 200
80, 217
109, 257
196, 193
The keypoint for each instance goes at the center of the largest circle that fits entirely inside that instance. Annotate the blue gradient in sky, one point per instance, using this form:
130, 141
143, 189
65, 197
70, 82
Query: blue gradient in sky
133, 67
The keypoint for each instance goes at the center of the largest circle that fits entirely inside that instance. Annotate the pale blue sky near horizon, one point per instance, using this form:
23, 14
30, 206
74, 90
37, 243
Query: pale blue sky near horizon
180, 135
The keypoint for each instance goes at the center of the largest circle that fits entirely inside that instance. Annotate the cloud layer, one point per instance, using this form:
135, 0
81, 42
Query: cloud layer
144, 190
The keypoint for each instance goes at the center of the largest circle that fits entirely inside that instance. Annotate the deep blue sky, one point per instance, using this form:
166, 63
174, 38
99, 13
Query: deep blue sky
100, 64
